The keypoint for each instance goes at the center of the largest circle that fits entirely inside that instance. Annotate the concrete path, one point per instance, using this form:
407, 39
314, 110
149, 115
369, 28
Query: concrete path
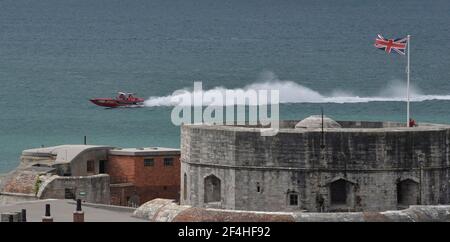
62, 211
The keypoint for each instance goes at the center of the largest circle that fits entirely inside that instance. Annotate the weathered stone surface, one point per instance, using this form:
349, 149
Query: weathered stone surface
10, 198
158, 210
217, 215
21, 181
164, 210
93, 189
17, 217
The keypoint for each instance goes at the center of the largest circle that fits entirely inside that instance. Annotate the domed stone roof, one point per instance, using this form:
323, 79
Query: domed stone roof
315, 122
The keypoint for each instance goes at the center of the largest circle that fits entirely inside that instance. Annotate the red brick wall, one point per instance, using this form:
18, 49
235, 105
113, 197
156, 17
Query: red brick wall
119, 195
121, 169
157, 181
148, 193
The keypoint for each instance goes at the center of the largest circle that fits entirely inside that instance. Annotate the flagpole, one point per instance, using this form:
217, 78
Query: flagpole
407, 84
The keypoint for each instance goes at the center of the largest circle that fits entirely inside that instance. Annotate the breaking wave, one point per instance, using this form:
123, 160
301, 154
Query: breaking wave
291, 92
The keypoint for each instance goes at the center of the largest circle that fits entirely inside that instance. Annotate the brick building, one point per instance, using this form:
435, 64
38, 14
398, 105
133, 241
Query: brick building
139, 175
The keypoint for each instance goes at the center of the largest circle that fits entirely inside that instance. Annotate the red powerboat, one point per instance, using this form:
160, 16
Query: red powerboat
122, 99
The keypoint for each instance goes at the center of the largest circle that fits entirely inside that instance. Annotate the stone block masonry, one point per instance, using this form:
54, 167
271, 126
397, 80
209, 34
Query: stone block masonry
360, 166
164, 210
94, 189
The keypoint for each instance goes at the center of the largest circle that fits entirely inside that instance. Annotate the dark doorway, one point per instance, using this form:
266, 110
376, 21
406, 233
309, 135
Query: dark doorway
339, 190
407, 193
102, 167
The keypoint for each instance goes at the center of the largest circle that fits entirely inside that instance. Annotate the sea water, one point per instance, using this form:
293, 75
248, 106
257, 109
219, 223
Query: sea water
56, 54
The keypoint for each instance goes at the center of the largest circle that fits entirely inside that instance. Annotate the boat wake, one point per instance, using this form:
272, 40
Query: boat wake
291, 92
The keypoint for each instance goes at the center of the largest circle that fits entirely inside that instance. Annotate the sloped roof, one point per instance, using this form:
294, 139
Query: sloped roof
144, 151
63, 153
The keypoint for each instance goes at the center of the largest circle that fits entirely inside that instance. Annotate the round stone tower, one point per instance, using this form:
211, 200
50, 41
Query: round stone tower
350, 166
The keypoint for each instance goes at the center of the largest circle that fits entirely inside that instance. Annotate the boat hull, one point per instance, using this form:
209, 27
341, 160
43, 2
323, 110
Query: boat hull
113, 103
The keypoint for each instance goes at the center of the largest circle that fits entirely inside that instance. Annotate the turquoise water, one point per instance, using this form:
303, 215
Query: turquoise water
56, 54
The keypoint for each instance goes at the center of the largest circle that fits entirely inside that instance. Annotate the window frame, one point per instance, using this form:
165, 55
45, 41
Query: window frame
292, 195
90, 164
147, 164
165, 159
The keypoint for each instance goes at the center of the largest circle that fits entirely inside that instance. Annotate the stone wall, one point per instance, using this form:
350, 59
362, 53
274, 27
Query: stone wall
78, 166
9, 198
261, 172
21, 181
93, 189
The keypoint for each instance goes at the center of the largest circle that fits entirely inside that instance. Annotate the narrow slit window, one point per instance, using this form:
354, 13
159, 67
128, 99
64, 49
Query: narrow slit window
293, 199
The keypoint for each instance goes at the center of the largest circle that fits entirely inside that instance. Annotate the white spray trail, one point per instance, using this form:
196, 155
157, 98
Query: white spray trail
291, 92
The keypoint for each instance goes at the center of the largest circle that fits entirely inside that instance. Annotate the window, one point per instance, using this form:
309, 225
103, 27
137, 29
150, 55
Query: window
185, 187
293, 199
168, 161
90, 166
258, 187
149, 162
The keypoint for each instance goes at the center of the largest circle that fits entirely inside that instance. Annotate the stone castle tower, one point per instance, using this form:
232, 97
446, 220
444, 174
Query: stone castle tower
346, 166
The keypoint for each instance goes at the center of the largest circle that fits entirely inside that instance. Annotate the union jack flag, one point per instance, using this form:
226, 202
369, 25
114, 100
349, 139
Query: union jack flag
398, 45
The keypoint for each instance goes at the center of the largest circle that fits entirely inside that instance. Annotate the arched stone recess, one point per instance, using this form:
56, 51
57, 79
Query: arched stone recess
212, 191
341, 194
408, 192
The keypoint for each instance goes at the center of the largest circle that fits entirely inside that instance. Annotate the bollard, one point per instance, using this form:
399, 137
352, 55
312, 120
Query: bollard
78, 215
78, 204
24, 215
47, 217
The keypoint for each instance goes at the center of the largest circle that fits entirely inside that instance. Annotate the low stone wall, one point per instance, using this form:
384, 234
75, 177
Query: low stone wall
370, 124
106, 207
9, 198
423, 213
165, 210
92, 189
